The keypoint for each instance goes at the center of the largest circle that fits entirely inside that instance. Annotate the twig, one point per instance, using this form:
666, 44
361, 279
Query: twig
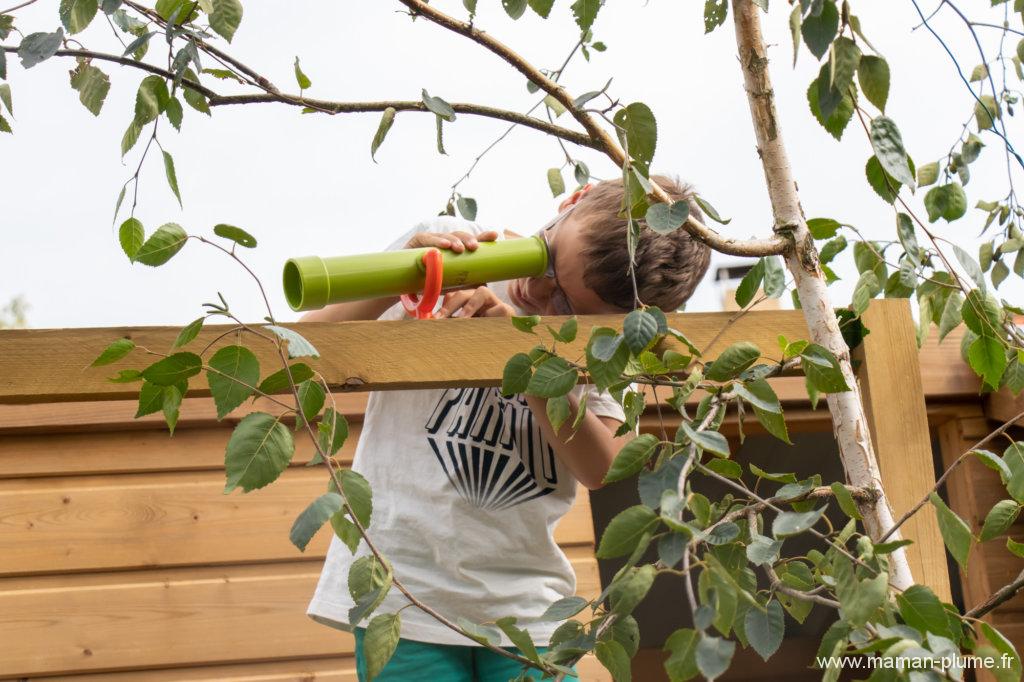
942, 479
1001, 595
11, 9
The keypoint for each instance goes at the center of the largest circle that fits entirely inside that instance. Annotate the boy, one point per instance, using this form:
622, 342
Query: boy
469, 485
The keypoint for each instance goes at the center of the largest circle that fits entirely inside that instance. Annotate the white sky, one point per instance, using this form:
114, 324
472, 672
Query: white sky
305, 184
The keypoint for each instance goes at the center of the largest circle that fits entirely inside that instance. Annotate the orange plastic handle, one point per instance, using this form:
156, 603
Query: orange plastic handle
423, 306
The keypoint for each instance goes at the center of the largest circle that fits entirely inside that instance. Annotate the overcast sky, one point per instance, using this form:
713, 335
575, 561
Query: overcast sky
305, 184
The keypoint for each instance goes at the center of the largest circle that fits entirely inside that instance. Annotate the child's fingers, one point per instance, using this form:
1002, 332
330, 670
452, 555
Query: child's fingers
452, 301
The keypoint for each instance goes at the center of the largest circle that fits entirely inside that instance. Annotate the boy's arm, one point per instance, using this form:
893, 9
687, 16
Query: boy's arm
591, 451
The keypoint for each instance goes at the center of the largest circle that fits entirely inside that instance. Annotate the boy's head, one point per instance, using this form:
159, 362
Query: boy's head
591, 263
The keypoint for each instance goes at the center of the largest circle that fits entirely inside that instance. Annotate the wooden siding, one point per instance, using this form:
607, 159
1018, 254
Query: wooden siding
122, 559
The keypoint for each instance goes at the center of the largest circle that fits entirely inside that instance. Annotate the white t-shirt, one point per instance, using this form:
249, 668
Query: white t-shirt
466, 495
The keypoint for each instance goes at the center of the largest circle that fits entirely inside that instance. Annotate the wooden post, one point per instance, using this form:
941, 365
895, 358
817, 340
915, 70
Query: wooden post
890, 381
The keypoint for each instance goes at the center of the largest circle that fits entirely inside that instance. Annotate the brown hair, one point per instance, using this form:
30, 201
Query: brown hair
668, 266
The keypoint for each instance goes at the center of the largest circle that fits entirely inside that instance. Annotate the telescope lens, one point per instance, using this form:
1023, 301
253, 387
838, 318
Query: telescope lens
293, 285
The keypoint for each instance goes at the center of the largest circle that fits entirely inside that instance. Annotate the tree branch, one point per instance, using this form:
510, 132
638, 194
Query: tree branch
125, 61
409, 105
603, 141
1003, 594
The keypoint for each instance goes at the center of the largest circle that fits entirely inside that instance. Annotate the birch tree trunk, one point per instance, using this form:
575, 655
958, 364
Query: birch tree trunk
849, 421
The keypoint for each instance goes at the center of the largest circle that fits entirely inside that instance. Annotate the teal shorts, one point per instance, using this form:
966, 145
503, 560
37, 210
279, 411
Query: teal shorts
414, 661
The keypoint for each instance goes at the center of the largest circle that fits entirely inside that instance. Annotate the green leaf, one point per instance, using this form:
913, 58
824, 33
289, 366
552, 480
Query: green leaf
554, 377
888, 146
715, 12
986, 112
585, 11
630, 588
162, 245
712, 441
845, 499
298, 346
873, 75
193, 98
76, 15
884, 184
833, 114
681, 665
823, 228
387, 119
928, 174
993, 462
732, 361
332, 431
346, 531
632, 458
301, 78
946, 201
516, 375
765, 629
763, 550
555, 182
564, 608
1011, 670
614, 658
519, 638
259, 450
639, 329
750, 283
605, 373
172, 178
844, 58
792, 523
980, 311
999, 519
114, 352
567, 332
526, 323
727, 468
278, 381
151, 99
126, 376
151, 399
822, 369
38, 47
173, 368
557, 410
625, 530
514, 8
819, 31
358, 495
312, 518
714, 655
171, 406
380, 642
174, 112
188, 332
774, 277
761, 396
92, 86
225, 18
1017, 548
542, 7
235, 234
710, 211
438, 106
637, 131
1013, 460
987, 358
311, 398
955, 532
233, 375
922, 610
665, 219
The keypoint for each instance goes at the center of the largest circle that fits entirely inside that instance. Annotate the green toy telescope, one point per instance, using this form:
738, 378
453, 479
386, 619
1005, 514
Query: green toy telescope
311, 282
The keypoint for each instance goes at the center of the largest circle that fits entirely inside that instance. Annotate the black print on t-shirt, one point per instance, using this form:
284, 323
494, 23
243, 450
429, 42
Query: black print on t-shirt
490, 449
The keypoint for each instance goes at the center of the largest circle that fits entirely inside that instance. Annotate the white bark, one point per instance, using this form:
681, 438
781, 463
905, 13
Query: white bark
849, 420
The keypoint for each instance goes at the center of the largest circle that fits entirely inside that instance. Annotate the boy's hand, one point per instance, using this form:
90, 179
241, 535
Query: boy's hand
453, 241
479, 302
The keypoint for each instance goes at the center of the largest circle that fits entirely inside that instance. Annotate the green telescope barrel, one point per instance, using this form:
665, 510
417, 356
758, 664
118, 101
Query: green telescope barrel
312, 282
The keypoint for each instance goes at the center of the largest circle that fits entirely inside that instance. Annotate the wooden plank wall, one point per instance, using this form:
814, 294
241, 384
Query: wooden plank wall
122, 559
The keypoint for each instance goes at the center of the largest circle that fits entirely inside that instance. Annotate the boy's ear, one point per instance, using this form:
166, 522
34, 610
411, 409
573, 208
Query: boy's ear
575, 197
